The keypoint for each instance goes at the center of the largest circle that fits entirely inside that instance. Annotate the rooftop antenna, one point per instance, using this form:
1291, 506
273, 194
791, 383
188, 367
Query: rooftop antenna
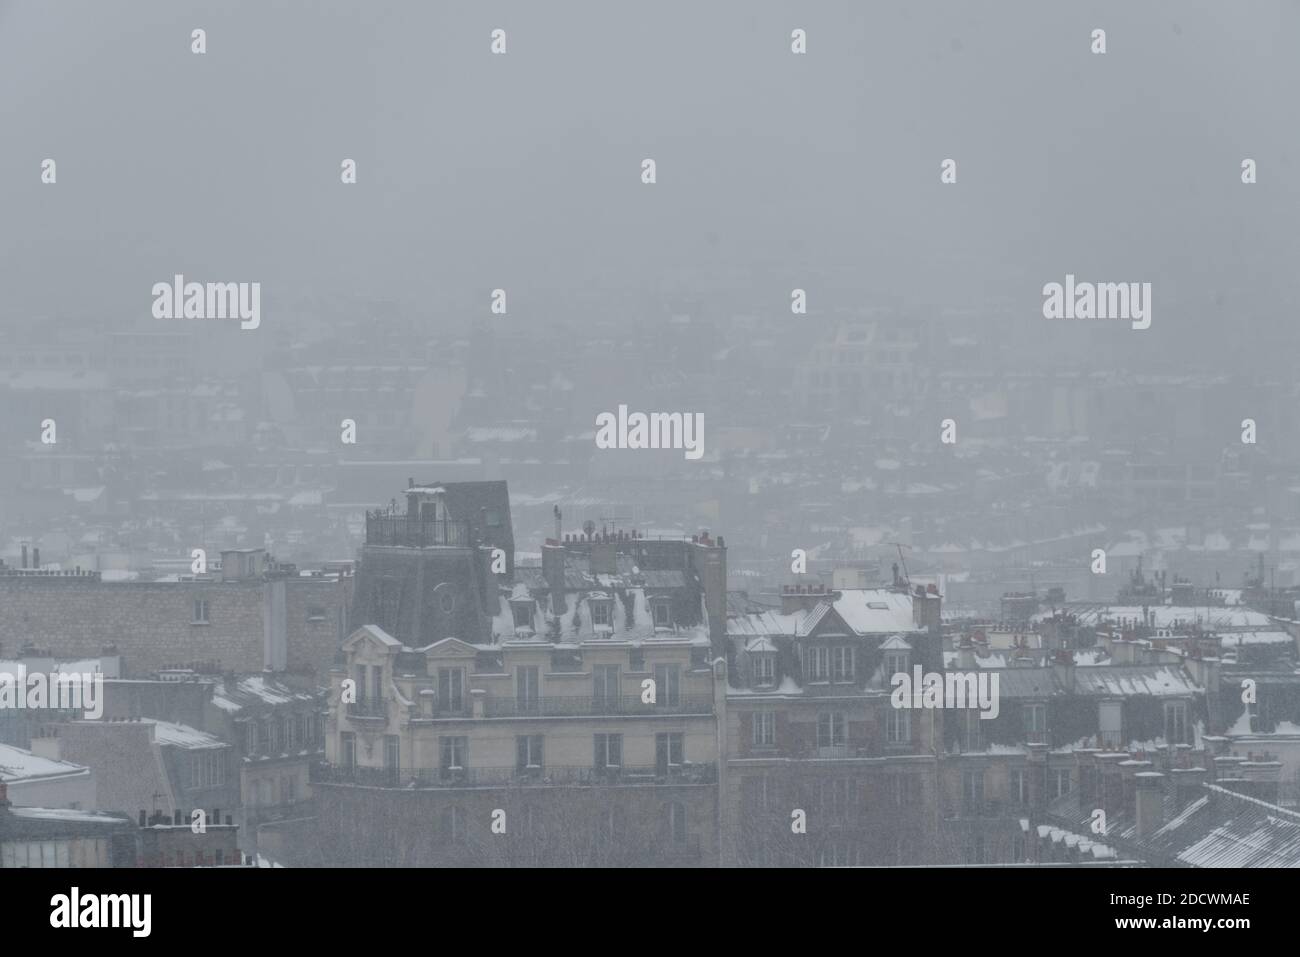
900, 546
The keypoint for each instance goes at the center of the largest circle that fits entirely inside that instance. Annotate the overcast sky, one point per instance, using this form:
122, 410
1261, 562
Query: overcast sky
523, 170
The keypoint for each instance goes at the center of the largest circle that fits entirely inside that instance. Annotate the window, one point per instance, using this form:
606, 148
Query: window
1061, 782
609, 751
830, 729
523, 612
668, 685
1110, 721
1176, 722
447, 602
392, 750
290, 789
528, 752
842, 663
453, 750
363, 685
818, 664
1036, 723
764, 729
377, 688
492, 518
300, 726
898, 726
200, 612
315, 612
905, 789
601, 612
605, 687
765, 669
663, 614
348, 749
670, 751
451, 690
677, 822
895, 663
1019, 786
250, 738
527, 689
207, 768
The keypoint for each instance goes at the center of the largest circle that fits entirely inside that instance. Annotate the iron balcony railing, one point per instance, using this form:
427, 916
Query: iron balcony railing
546, 707
553, 775
368, 708
413, 532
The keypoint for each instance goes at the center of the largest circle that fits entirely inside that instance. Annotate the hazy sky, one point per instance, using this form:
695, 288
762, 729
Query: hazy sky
523, 170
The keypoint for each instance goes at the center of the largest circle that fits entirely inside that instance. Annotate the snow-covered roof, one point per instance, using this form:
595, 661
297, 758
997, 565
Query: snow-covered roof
183, 736
18, 765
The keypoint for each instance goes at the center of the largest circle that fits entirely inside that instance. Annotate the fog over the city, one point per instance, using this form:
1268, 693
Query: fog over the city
590, 433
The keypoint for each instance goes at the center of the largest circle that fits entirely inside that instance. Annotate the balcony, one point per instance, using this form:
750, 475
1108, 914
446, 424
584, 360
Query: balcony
571, 705
550, 775
368, 708
412, 532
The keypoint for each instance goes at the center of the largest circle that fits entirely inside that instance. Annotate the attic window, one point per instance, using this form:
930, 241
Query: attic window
895, 663
764, 669
492, 518
663, 615
523, 612
315, 612
602, 612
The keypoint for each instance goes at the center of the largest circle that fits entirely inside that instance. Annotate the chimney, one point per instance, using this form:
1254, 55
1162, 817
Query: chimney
24, 565
710, 561
553, 572
4, 794
1187, 784
966, 654
1150, 802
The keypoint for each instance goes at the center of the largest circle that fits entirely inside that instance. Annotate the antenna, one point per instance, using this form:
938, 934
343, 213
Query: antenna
900, 546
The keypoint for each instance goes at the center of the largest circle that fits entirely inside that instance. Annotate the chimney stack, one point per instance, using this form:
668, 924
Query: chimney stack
1150, 802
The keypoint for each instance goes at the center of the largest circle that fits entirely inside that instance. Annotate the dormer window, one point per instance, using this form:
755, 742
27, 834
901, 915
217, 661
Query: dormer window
663, 614
764, 669
523, 612
602, 612
895, 663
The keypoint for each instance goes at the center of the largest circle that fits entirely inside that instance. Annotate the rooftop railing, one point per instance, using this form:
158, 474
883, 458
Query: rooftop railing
413, 532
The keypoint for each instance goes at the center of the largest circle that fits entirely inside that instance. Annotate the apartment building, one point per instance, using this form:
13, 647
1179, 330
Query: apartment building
579, 728
821, 769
